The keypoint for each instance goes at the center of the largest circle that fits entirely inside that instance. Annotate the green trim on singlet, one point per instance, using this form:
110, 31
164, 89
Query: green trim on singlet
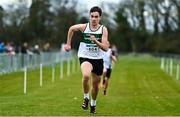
86, 37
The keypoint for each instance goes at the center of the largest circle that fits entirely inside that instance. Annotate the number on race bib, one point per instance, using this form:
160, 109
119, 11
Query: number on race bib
93, 49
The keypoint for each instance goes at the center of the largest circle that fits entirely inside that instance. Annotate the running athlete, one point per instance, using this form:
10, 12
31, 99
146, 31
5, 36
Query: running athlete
95, 39
108, 58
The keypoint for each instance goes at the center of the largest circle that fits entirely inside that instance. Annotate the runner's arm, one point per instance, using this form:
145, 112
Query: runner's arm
104, 44
72, 29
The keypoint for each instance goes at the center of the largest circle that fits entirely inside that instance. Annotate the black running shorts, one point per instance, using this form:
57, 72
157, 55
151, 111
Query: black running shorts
108, 73
97, 65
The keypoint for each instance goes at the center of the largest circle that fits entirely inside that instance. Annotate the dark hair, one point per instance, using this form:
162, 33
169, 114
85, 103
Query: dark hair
96, 9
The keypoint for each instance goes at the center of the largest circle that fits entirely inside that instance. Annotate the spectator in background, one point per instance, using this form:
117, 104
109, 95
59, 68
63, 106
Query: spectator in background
36, 49
46, 47
10, 49
24, 48
62, 47
24, 51
2, 47
17, 49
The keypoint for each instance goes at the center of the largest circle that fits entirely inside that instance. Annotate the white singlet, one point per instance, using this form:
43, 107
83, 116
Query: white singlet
87, 48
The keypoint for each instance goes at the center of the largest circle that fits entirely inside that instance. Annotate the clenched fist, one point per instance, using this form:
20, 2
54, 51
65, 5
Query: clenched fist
67, 47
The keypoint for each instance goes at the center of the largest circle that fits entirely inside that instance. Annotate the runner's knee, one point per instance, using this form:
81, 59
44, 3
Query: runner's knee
85, 78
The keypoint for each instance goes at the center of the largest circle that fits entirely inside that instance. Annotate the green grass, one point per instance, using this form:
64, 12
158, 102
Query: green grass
137, 87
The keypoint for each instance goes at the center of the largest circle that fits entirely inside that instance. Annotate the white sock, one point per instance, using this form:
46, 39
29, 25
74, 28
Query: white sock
93, 102
86, 95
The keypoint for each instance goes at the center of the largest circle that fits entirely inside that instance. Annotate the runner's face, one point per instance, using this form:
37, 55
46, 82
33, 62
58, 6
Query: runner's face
95, 18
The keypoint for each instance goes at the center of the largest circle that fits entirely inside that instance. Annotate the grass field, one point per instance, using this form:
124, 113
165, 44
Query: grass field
138, 87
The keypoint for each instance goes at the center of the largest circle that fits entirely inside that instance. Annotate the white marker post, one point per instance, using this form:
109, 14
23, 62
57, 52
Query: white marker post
53, 73
162, 63
177, 72
167, 66
68, 67
61, 69
25, 79
171, 67
41, 74
74, 65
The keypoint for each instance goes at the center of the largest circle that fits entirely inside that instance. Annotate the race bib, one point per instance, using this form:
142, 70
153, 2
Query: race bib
92, 48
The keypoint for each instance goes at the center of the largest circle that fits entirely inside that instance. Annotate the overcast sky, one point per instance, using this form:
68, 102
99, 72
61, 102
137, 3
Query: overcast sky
83, 3
91, 3
4, 3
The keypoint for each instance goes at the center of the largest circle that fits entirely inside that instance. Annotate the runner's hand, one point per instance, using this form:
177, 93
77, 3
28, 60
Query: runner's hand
92, 38
67, 47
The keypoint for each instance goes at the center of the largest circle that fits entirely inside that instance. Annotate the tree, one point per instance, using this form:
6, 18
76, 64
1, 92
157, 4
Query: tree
1, 17
135, 20
122, 35
40, 20
66, 16
177, 17
1, 22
